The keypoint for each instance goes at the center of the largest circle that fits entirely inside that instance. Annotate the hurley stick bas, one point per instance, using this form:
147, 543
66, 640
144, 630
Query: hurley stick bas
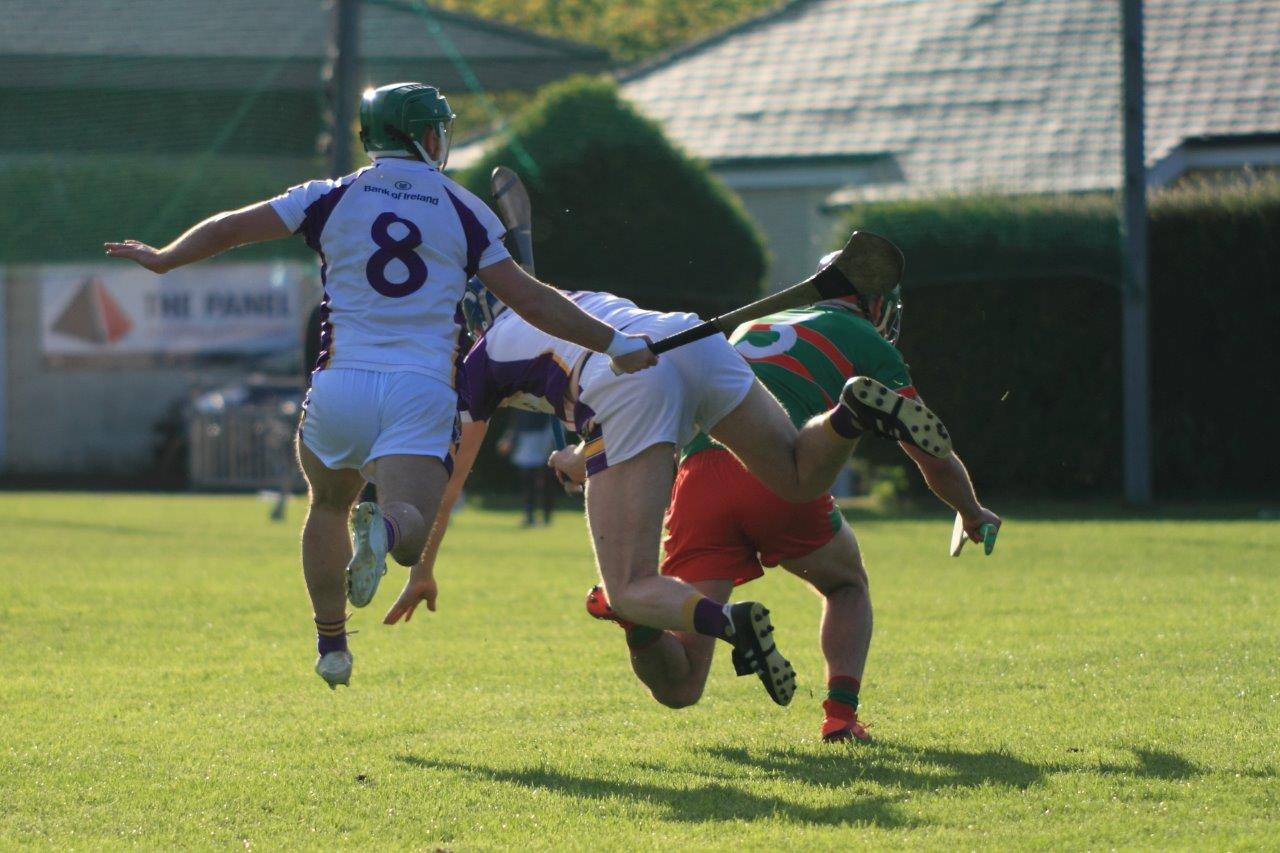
868, 264
512, 199
516, 213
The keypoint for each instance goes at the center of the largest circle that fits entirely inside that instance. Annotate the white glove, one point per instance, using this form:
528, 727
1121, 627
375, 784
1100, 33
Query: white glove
622, 345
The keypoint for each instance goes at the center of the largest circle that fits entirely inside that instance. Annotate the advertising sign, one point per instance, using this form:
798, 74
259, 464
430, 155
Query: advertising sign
110, 310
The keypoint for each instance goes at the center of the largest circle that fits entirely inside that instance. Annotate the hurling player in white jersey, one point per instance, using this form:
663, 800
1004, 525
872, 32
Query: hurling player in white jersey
397, 242
631, 426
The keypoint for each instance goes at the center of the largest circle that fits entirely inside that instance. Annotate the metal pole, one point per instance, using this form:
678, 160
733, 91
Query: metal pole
342, 82
4, 372
1135, 348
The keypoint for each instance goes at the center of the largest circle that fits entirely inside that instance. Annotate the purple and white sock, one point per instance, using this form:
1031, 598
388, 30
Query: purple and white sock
711, 618
331, 636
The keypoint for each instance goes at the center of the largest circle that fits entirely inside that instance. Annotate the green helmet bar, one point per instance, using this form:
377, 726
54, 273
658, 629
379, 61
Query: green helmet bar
393, 119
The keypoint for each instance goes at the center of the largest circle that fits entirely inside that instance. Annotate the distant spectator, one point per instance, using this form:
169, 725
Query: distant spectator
529, 441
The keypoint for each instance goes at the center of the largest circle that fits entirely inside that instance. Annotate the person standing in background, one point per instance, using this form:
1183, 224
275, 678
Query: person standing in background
528, 442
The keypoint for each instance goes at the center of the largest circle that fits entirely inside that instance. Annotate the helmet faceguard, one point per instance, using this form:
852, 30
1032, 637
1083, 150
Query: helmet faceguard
479, 307
883, 312
393, 119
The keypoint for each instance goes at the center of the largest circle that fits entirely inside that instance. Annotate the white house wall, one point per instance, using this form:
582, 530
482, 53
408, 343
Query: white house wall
787, 200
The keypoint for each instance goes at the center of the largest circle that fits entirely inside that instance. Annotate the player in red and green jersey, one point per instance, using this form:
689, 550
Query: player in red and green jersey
723, 526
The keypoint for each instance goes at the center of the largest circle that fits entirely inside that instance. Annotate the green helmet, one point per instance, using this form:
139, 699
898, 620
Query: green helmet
393, 119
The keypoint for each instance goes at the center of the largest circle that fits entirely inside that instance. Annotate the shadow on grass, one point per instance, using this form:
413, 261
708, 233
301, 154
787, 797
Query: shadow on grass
907, 768
682, 801
699, 796
926, 769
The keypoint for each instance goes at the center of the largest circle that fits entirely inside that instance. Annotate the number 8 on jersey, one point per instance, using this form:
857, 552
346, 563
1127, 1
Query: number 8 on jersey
393, 249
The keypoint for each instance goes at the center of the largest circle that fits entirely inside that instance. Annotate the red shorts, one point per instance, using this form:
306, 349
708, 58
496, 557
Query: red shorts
723, 524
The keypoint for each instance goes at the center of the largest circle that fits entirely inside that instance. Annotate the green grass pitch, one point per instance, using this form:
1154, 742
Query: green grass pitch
1093, 684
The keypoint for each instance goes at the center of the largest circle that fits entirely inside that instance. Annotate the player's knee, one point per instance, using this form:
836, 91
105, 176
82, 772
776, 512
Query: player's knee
324, 496
677, 696
784, 485
852, 585
796, 487
411, 532
623, 598
849, 578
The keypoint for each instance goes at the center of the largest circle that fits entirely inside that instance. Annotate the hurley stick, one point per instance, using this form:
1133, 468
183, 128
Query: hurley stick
868, 264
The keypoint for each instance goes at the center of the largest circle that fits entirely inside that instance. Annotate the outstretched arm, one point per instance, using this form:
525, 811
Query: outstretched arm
421, 585
554, 313
949, 480
218, 233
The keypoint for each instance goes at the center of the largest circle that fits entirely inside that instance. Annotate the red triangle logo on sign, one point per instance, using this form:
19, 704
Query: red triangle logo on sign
115, 324
93, 315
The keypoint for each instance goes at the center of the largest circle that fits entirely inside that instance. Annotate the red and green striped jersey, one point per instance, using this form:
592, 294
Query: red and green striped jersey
805, 356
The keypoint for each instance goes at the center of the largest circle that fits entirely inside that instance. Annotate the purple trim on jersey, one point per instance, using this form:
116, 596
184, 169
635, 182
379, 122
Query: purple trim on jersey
583, 415
477, 236
316, 216
326, 324
326, 335
597, 459
485, 383
461, 345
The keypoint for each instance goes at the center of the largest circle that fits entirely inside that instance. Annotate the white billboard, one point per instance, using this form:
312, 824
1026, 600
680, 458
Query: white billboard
118, 309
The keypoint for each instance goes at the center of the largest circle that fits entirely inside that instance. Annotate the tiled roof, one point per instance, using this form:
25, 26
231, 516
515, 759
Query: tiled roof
966, 94
254, 43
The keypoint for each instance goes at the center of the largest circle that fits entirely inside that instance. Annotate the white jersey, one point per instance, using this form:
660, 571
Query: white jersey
397, 242
618, 416
515, 364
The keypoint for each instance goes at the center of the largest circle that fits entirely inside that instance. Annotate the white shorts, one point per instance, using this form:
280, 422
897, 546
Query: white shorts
691, 388
353, 417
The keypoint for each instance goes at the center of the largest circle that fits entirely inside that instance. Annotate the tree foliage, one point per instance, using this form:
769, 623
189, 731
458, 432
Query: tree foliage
630, 31
617, 208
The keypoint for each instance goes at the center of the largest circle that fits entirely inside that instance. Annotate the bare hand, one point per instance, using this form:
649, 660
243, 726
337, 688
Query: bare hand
140, 253
416, 591
570, 467
973, 524
636, 360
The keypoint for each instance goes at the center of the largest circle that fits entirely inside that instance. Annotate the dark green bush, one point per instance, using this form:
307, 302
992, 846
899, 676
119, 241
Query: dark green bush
1012, 328
1215, 302
616, 207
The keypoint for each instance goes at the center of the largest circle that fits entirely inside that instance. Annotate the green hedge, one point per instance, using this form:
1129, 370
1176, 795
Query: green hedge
1215, 301
1012, 328
62, 209
616, 207
154, 122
